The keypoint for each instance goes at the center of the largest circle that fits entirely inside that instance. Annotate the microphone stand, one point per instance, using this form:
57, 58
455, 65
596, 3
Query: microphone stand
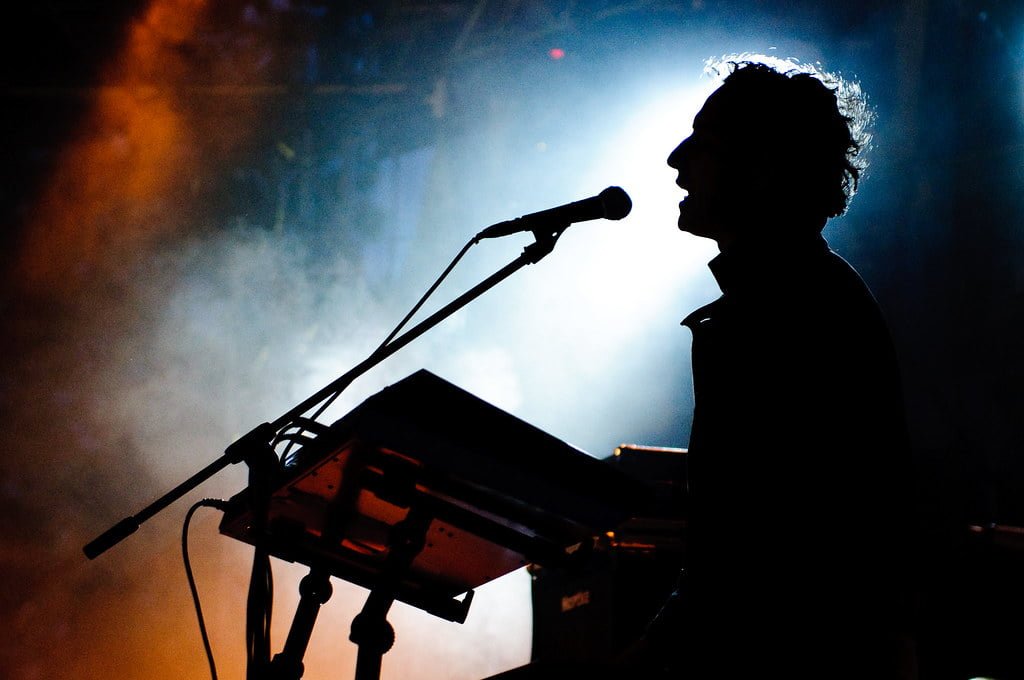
255, 447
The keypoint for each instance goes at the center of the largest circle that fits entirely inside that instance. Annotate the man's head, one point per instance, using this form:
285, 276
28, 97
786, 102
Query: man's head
770, 150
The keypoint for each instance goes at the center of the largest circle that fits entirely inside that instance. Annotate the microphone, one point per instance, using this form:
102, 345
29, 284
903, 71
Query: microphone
612, 204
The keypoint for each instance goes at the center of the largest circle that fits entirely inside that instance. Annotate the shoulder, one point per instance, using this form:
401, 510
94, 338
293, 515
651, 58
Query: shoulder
701, 315
845, 286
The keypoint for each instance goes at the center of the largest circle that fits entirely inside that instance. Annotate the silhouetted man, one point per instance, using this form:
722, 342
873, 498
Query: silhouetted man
798, 457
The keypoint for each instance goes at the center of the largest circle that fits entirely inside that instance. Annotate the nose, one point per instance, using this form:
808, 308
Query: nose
677, 159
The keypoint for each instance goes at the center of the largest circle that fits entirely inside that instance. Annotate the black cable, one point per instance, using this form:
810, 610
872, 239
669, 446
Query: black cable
209, 503
259, 613
430, 291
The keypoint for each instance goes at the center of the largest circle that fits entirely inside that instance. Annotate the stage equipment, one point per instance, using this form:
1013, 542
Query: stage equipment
586, 614
420, 495
590, 612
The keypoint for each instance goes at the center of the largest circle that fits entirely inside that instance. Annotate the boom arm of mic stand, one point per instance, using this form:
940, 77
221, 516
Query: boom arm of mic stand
532, 254
235, 453
257, 441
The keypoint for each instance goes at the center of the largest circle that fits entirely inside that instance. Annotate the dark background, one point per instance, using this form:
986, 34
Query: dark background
155, 150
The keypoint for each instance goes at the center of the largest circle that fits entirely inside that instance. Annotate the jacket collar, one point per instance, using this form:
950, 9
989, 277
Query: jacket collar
753, 265
760, 267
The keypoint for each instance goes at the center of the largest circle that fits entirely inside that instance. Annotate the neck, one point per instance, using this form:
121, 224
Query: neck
770, 235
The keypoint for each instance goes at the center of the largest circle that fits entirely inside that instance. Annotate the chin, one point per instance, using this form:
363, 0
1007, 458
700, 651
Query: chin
685, 221
691, 226
694, 220
690, 218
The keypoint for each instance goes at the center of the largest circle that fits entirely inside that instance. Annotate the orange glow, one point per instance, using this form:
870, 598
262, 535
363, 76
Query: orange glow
166, 22
102, 200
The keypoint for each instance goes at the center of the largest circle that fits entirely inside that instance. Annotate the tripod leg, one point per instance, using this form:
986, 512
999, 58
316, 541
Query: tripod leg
374, 636
370, 629
314, 590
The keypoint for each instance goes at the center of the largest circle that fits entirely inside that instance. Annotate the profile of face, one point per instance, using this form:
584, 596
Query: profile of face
702, 162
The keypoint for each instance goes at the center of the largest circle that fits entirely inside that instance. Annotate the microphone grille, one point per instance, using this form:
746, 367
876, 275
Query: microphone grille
616, 203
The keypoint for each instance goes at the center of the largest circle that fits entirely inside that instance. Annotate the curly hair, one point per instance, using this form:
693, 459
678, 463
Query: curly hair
810, 126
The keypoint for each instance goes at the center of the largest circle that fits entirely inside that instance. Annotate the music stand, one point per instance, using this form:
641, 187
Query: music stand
422, 494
